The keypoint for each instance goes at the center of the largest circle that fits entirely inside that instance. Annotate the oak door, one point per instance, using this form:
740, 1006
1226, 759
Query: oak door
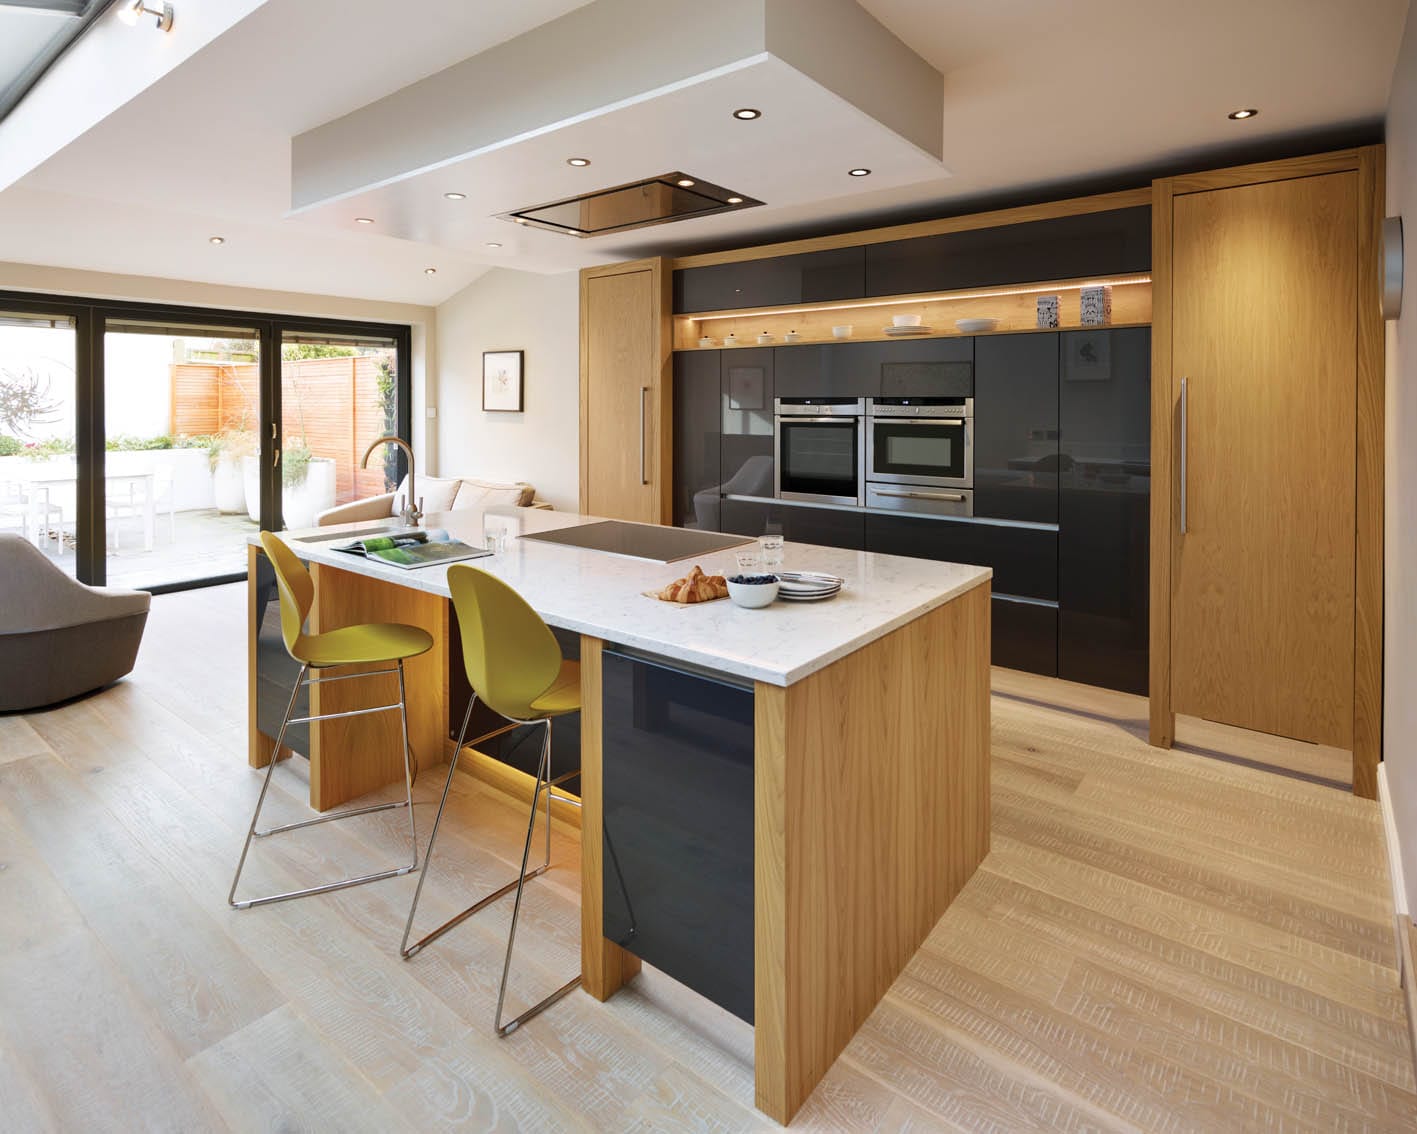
1264, 337
620, 390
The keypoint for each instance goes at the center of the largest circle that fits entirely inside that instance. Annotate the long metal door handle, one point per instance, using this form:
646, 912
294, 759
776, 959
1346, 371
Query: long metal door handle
275, 460
956, 497
644, 391
1185, 430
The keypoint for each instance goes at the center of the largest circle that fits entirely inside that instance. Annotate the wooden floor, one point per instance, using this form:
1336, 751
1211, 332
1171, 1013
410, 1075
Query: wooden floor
1158, 942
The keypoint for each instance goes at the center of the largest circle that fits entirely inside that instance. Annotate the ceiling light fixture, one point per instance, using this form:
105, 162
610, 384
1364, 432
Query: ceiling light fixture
363, 220
578, 162
735, 200
493, 244
430, 271
216, 240
747, 113
131, 11
685, 183
1241, 115
455, 196
859, 172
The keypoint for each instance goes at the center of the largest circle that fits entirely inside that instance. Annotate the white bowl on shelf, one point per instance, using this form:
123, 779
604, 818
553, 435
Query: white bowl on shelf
976, 325
752, 595
842, 332
906, 320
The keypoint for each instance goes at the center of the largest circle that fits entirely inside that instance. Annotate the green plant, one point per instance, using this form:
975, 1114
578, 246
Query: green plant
294, 352
389, 403
295, 463
127, 443
9, 446
230, 445
50, 447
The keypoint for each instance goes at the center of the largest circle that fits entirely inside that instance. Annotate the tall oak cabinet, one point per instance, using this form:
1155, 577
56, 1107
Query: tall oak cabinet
1267, 422
626, 392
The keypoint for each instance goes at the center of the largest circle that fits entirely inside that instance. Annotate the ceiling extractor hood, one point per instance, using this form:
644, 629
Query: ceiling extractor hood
657, 200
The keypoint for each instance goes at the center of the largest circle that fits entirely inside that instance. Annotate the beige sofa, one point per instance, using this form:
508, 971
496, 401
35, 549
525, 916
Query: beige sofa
60, 638
440, 494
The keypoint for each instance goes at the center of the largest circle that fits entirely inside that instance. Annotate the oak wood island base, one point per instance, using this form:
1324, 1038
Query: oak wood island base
861, 768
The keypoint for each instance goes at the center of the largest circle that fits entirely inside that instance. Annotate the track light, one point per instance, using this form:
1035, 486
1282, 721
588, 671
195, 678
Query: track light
131, 11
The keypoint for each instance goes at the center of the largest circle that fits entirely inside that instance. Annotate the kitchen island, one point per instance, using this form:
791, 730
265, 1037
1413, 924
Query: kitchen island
777, 805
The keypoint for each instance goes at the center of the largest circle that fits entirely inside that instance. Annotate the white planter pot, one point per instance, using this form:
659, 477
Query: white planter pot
228, 485
300, 502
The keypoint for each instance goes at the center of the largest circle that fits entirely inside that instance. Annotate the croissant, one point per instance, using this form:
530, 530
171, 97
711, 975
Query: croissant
695, 587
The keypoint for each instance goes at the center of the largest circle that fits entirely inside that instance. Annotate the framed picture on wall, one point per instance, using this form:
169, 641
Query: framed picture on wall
502, 381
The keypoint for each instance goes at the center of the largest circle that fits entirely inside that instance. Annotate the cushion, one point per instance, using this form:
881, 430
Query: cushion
438, 493
475, 493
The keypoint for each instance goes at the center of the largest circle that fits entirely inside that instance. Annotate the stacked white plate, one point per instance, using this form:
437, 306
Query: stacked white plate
807, 586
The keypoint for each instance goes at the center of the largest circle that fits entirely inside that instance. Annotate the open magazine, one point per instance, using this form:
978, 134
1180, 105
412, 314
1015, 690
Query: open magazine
410, 549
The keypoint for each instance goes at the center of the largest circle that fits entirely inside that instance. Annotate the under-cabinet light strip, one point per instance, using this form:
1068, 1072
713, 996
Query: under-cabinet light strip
1044, 289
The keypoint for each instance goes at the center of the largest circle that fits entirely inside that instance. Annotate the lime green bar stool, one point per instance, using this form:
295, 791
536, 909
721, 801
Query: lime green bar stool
515, 668
368, 644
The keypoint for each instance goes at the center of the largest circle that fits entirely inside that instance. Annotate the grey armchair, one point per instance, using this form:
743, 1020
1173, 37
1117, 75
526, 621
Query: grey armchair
58, 637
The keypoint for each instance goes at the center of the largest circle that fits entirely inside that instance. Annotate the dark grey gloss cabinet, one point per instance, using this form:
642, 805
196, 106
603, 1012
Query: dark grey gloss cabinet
1016, 427
826, 527
810, 277
1025, 560
747, 390
1095, 244
1104, 506
677, 788
698, 430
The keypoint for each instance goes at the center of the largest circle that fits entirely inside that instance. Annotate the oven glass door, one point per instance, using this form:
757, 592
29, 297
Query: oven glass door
819, 458
934, 451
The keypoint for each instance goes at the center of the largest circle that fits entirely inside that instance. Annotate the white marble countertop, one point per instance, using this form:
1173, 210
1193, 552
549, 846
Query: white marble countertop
591, 592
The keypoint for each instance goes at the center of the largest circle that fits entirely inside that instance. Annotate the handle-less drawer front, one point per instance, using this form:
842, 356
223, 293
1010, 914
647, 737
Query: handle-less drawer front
677, 785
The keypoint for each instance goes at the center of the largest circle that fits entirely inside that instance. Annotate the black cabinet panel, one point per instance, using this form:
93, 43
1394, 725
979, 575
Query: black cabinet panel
276, 670
1025, 560
826, 527
839, 273
697, 435
520, 748
1025, 636
1016, 427
678, 825
912, 368
1104, 503
746, 444
1096, 244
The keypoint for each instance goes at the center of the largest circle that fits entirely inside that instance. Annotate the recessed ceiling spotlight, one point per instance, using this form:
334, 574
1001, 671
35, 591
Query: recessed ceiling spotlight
363, 220
455, 196
685, 183
493, 244
735, 200
578, 162
216, 239
1241, 115
430, 271
859, 172
747, 113
131, 11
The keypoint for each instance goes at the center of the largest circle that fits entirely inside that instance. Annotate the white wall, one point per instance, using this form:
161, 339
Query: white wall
104, 285
1400, 505
511, 310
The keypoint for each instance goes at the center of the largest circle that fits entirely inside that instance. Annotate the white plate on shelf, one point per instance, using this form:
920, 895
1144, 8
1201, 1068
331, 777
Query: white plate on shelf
974, 326
906, 332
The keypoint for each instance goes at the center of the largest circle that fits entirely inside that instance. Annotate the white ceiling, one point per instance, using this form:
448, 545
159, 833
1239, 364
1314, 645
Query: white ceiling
1036, 93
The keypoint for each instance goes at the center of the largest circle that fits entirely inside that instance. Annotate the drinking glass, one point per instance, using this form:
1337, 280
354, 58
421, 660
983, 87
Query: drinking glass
494, 535
749, 562
770, 544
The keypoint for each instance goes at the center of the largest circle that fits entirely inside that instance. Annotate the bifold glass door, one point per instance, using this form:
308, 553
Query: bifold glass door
181, 478
39, 419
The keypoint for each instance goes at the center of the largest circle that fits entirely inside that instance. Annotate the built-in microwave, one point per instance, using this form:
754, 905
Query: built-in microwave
920, 454
821, 453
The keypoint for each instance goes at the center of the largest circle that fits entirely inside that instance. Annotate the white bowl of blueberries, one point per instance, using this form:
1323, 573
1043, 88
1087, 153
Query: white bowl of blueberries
752, 591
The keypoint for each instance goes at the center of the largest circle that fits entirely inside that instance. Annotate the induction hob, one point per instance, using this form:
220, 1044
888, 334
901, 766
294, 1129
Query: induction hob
642, 541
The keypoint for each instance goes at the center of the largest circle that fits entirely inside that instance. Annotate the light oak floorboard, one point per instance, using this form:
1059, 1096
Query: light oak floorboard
1158, 941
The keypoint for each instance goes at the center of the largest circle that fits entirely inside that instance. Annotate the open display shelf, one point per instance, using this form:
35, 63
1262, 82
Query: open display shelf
1015, 308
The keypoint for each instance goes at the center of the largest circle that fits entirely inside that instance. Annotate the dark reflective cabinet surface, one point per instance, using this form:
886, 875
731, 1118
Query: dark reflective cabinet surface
678, 824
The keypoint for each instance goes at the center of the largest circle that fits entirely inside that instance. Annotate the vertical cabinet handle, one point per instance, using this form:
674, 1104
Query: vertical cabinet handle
644, 392
275, 459
1184, 446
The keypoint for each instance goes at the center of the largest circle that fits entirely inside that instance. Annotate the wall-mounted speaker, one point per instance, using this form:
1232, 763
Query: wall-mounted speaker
1392, 267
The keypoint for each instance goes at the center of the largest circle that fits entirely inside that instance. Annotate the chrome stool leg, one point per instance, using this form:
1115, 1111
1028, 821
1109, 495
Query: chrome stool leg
254, 833
543, 779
